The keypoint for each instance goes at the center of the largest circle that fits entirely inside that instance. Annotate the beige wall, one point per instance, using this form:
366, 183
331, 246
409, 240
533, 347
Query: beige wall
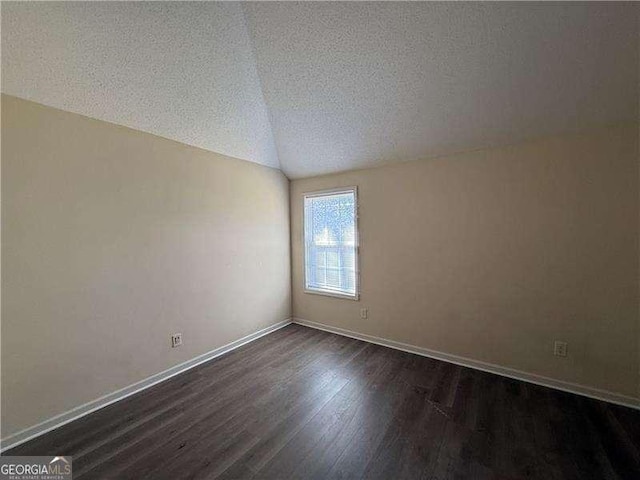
112, 240
493, 254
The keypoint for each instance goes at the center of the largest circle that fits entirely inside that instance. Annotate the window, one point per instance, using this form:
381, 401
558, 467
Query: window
331, 243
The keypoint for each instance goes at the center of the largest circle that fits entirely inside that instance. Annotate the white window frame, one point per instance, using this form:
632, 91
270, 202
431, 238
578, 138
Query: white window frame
323, 193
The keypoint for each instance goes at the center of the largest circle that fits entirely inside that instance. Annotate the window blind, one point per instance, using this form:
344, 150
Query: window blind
330, 238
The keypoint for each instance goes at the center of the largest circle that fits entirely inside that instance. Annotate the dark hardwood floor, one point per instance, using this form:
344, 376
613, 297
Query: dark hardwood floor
302, 403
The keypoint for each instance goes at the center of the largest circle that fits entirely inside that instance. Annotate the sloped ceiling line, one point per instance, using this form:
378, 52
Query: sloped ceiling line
184, 71
321, 87
264, 102
355, 84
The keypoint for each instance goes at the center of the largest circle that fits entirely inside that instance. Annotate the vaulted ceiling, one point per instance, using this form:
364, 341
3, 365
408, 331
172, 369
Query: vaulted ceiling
321, 87
184, 71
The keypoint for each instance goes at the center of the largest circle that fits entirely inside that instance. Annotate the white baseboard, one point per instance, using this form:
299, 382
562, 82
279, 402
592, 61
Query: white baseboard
586, 391
82, 410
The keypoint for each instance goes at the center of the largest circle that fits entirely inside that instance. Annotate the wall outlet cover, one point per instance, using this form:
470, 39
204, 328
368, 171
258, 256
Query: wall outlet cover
176, 340
560, 348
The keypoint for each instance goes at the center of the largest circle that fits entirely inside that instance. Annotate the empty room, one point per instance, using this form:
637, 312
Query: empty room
320, 240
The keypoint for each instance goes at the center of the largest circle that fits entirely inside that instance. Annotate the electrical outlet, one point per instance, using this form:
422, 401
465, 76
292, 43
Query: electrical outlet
364, 312
176, 340
560, 348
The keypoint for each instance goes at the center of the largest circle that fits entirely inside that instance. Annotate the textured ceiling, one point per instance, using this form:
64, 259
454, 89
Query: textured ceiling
350, 85
185, 71
329, 86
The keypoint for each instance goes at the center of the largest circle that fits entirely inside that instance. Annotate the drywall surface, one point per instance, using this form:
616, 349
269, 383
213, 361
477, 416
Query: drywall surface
356, 84
182, 70
494, 254
323, 87
112, 240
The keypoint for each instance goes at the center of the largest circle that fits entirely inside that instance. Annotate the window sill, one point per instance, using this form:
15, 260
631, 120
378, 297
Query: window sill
344, 296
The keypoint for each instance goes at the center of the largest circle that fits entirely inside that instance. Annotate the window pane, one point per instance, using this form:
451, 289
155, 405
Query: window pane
330, 242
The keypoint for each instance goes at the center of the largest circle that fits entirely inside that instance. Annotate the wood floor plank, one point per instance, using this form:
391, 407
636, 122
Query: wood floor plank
216, 408
306, 452
304, 403
111, 418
